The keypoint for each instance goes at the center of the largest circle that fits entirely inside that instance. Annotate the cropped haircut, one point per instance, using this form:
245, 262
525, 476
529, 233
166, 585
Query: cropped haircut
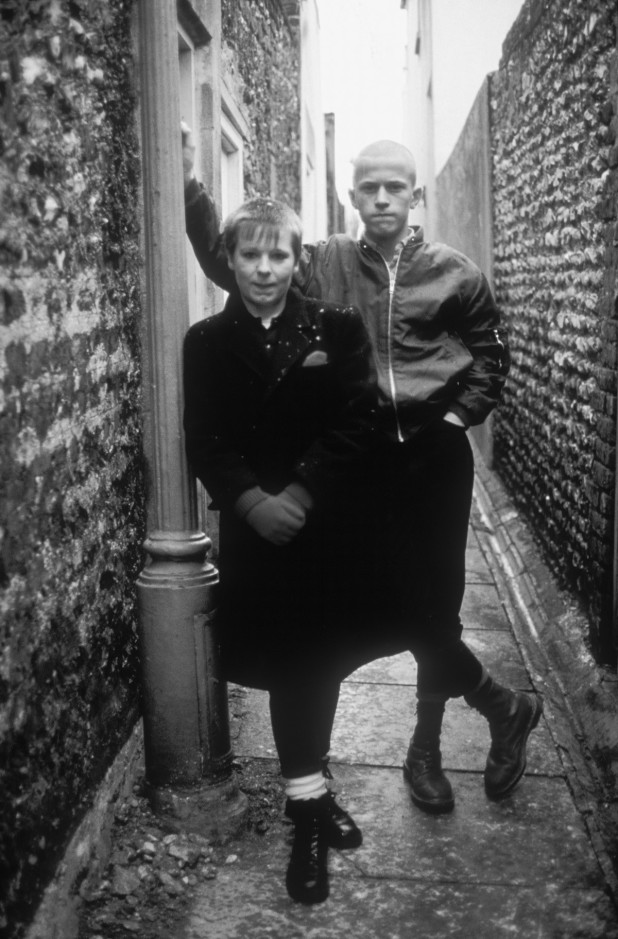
386, 150
259, 214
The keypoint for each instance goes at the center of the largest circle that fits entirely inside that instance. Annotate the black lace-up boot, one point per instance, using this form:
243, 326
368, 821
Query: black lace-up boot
429, 787
341, 830
307, 874
512, 716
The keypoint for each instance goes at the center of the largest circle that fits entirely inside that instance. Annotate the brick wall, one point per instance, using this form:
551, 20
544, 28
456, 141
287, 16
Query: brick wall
555, 165
71, 483
262, 60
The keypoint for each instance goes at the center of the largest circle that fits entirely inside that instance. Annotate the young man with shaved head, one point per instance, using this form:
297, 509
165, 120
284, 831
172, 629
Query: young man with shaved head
441, 359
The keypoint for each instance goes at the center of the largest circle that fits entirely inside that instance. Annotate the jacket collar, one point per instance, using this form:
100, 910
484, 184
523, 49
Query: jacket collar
415, 236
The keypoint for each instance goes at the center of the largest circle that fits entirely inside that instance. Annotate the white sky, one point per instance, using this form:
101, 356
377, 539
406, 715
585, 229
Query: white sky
362, 57
468, 37
362, 64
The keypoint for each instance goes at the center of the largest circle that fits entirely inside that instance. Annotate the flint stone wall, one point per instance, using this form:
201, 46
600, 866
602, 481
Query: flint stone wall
261, 62
71, 478
555, 185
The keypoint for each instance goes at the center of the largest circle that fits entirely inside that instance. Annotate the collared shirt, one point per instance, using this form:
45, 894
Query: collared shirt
268, 335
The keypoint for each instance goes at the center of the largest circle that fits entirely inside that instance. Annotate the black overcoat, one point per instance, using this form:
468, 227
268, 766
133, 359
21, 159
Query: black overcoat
306, 415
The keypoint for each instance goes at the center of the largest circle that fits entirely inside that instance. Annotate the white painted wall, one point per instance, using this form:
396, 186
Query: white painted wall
467, 45
451, 47
313, 143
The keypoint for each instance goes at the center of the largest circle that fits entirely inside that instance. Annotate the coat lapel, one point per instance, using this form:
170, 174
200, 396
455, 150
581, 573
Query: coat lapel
296, 334
239, 337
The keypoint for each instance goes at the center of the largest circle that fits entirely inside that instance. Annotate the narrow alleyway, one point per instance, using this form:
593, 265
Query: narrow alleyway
533, 866
522, 867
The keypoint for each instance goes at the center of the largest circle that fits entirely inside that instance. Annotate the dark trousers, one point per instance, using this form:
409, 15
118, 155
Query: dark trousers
302, 713
424, 495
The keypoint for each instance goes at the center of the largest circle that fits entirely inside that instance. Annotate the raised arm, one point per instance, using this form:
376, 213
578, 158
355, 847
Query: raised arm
202, 221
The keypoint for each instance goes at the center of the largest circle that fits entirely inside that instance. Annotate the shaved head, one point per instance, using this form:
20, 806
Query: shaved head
385, 152
384, 191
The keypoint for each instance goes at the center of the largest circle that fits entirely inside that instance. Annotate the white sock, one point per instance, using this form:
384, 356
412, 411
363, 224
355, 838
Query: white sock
305, 787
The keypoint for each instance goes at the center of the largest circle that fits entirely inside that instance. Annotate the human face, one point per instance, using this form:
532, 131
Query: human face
263, 263
383, 194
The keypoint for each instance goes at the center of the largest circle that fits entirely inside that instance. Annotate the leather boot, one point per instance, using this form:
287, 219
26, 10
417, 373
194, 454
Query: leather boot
341, 829
429, 787
307, 874
512, 716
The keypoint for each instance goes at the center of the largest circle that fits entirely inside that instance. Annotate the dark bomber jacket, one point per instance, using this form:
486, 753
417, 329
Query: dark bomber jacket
436, 337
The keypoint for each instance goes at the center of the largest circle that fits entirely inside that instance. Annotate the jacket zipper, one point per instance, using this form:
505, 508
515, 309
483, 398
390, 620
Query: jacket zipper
391, 374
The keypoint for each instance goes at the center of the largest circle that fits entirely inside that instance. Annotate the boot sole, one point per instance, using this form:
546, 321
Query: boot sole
535, 717
310, 896
432, 808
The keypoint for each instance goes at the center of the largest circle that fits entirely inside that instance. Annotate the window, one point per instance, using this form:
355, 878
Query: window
234, 131
232, 188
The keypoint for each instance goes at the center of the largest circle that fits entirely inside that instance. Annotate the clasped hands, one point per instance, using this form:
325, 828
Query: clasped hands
278, 518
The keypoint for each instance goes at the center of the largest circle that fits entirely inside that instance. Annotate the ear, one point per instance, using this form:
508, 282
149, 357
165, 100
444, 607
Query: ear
352, 196
230, 261
417, 195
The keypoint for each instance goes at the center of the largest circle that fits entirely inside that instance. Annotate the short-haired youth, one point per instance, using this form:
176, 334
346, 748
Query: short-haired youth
260, 215
387, 150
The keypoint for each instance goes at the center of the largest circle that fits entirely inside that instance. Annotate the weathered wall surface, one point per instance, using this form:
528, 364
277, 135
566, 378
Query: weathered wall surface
463, 211
555, 165
71, 482
467, 224
261, 62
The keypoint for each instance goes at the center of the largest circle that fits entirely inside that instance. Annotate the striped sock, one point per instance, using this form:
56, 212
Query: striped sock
305, 787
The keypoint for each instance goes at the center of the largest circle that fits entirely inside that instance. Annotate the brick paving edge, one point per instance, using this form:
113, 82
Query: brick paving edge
550, 629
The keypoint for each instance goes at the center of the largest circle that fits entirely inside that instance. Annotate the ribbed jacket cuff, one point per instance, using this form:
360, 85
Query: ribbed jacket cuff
248, 500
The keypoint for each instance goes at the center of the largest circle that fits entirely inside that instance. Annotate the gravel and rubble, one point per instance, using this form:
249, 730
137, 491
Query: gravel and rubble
152, 873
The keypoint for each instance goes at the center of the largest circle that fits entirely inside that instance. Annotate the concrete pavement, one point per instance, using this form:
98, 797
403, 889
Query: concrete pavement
531, 866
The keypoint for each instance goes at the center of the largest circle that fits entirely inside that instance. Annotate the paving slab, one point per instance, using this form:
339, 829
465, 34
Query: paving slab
533, 836
255, 905
374, 723
500, 655
373, 726
496, 649
393, 670
481, 608
523, 867
459, 875
477, 569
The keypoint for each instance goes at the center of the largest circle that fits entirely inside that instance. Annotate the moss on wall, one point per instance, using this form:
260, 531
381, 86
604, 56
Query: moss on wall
71, 479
